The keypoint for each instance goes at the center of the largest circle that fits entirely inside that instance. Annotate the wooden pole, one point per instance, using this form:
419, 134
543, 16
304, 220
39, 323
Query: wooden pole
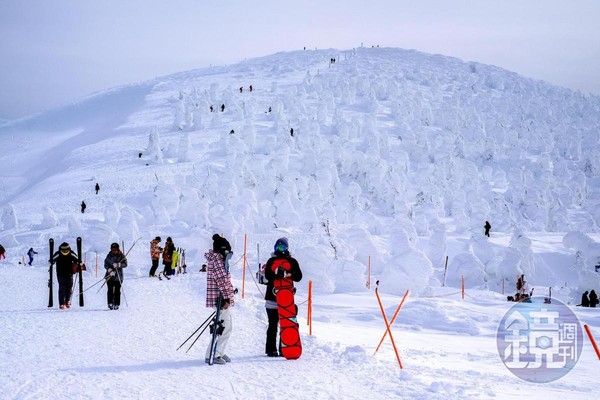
445, 270
309, 313
462, 286
244, 269
369, 274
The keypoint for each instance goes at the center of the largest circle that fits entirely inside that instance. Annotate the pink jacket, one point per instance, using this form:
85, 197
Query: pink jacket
217, 279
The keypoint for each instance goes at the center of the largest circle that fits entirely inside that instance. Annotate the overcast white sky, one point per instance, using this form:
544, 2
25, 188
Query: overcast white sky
55, 51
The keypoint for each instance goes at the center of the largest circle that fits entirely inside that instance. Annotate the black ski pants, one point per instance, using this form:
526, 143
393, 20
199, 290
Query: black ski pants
113, 296
65, 285
154, 267
271, 345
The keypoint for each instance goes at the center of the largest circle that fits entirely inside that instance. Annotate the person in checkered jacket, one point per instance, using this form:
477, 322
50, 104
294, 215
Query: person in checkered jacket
218, 280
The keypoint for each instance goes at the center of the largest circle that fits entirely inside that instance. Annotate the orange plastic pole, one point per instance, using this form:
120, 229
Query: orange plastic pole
309, 314
388, 329
96, 265
392, 321
594, 345
462, 284
244, 268
502, 285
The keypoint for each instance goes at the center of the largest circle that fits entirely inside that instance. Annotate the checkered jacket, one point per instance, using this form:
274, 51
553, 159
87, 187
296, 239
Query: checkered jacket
217, 279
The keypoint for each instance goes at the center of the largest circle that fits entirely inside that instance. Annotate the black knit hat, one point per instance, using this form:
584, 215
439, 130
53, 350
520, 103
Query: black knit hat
114, 246
65, 248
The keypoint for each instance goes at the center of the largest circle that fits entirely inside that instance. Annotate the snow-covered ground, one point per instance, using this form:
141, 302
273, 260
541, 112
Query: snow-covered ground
397, 160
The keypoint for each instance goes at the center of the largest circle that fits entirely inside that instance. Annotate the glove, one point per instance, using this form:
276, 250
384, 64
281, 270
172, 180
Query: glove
117, 265
280, 272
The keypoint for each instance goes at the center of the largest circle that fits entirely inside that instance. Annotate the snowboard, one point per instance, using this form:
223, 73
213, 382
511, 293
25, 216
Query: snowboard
289, 334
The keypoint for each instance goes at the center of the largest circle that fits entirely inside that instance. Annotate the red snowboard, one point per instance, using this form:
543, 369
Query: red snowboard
284, 290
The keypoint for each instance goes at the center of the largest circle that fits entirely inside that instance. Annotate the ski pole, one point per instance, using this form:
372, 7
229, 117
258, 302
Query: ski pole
195, 340
106, 278
122, 290
72, 289
103, 279
200, 327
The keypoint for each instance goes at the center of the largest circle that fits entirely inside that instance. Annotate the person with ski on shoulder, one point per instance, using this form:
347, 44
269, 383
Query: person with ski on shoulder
155, 252
280, 252
114, 263
65, 259
218, 280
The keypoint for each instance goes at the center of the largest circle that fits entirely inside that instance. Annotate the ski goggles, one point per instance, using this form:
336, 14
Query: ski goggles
281, 247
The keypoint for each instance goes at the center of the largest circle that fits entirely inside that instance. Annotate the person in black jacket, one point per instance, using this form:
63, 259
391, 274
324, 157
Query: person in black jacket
280, 253
593, 298
114, 263
487, 228
64, 259
585, 301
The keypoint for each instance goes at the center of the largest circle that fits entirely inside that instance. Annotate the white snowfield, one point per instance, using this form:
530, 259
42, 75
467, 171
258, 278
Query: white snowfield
397, 160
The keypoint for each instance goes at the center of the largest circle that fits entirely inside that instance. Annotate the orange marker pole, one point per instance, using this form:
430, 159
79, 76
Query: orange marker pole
462, 285
388, 329
393, 320
96, 265
309, 313
594, 345
244, 268
502, 285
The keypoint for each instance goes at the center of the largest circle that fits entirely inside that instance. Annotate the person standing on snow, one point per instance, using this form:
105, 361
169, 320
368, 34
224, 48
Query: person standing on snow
487, 227
30, 253
114, 263
168, 256
64, 259
585, 301
83, 207
281, 252
218, 280
97, 188
521, 284
593, 298
2, 251
155, 252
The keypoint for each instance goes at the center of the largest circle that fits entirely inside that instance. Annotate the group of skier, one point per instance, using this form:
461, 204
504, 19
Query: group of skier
68, 264
220, 292
169, 256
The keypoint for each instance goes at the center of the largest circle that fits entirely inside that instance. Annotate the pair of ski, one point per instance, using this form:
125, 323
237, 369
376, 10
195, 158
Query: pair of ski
79, 269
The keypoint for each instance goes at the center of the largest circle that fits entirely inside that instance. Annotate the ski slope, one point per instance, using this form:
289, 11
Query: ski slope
397, 160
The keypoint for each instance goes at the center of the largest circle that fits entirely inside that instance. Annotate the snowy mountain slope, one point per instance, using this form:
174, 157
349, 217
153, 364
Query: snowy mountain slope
397, 157
388, 144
